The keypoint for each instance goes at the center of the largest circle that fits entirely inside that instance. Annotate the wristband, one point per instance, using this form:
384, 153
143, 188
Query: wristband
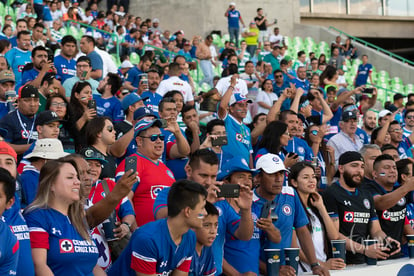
127, 224
314, 265
232, 87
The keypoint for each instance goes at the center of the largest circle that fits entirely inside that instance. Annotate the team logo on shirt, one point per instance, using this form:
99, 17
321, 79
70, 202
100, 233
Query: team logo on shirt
287, 210
301, 150
401, 202
349, 216
401, 150
66, 246
219, 210
386, 215
20, 68
239, 137
155, 190
367, 204
107, 104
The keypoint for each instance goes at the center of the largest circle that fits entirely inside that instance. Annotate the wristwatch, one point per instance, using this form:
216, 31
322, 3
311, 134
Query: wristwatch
314, 265
127, 224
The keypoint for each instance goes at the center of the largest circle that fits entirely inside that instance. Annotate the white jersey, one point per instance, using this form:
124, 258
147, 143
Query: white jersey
175, 83
224, 83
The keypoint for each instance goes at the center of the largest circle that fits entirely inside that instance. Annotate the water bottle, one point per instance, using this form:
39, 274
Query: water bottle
10, 99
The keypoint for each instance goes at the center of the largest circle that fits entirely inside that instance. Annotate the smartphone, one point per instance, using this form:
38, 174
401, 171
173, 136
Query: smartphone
92, 104
84, 73
229, 190
50, 57
315, 161
368, 90
131, 164
219, 141
292, 154
144, 79
266, 209
164, 123
209, 105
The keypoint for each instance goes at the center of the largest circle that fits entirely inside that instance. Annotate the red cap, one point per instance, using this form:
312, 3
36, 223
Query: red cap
7, 149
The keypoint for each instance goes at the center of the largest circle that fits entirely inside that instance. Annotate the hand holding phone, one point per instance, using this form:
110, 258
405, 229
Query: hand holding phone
219, 141
229, 191
131, 164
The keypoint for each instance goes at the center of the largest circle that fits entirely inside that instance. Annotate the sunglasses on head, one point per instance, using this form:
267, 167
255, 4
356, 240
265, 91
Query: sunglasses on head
154, 137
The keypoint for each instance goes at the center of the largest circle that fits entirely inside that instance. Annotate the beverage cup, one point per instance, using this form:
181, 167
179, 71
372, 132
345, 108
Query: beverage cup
292, 258
410, 242
339, 249
272, 261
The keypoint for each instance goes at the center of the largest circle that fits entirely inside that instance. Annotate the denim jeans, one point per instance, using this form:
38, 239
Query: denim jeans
207, 69
234, 35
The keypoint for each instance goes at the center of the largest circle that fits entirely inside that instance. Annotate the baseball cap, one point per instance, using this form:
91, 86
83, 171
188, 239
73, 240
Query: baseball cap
270, 163
126, 64
348, 115
232, 4
398, 96
287, 58
47, 117
384, 113
91, 153
7, 75
143, 112
155, 20
130, 99
236, 164
7, 149
28, 91
47, 148
350, 156
187, 43
144, 124
237, 98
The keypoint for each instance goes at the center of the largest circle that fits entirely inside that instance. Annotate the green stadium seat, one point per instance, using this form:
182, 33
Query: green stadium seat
134, 58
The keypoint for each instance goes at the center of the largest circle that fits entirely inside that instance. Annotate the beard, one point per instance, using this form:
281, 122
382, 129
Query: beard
349, 181
368, 127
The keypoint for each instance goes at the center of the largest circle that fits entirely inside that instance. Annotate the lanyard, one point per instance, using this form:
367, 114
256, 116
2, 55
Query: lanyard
29, 134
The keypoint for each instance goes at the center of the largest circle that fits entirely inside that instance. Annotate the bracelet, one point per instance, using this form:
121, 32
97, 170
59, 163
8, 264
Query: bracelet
314, 265
127, 224
232, 87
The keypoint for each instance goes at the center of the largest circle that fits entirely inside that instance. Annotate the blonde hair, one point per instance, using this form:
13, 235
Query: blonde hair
48, 176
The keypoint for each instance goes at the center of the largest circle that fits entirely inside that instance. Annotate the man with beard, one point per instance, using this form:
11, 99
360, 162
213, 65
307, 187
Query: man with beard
390, 199
107, 104
369, 121
352, 211
347, 138
369, 152
409, 122
34, 73
154, 98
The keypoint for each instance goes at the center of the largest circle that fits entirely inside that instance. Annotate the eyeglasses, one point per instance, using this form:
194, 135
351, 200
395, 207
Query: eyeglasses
286, 133
314, 132
266, 44
110, 128
396, 130
154, 137
278, 76
410, 117
58, 104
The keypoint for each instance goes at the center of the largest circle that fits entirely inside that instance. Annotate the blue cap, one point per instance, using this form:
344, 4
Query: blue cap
237, 98
236, 164
130, 99
143, 112
144, 124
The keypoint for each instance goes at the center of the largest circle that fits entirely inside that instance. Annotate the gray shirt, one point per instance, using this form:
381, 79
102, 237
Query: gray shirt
342, 142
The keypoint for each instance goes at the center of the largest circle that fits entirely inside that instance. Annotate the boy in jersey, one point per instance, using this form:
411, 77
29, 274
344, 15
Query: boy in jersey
202, 262
352, 211
166, 246
9, 245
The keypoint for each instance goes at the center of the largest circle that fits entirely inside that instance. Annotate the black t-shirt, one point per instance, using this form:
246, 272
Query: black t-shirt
392, 219
202, 136
355, 212
261, 27
108, 169
65, 136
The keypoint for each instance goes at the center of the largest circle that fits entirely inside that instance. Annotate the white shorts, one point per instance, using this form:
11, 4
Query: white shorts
263, 36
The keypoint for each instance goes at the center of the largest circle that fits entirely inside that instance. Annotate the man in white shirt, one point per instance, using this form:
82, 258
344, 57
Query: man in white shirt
276, 39
175, 83
224, 83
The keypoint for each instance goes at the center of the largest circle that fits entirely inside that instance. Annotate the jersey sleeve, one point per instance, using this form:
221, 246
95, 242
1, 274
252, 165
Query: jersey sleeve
39, 237
169, 143
160, 201
232, 219
330, 203
9, 249
125, 208
96, 62
131, 76
144, 256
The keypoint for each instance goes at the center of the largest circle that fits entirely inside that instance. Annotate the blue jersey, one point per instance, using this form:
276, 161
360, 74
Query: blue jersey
30, 181
13, 41
228, 222
161, 201
305, 85
96, 62
363, 136
233, 18
151, 250
17, 59
9, 250
65, 68
301, 148
362, 75
153, 101
239, 140
18, 225
290, 214
3, 109
175, 165
204, 264
67, 252
29, 75
110, 107
240, 254
134, 76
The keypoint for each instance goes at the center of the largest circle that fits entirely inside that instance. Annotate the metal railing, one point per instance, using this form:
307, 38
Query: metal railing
368, 44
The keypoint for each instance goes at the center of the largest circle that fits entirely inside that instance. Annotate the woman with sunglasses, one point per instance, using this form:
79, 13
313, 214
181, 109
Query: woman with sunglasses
324, 160
100, 135
302, 177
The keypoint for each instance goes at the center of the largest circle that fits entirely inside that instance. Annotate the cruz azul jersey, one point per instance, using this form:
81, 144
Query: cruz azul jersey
65, 68
153, 177
392, 219
67, 252
204, 264
9, 250
355, 211
17, 59
151, 250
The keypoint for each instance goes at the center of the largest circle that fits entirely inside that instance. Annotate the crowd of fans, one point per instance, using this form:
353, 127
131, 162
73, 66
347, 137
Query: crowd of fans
119, 171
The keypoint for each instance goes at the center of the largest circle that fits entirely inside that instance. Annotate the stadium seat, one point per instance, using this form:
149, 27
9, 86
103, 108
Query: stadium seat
134, 58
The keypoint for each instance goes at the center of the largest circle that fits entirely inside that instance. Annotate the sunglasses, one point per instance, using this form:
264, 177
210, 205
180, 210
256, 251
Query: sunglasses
154, 137
278, 76
410, 117
110, 128
314, 132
